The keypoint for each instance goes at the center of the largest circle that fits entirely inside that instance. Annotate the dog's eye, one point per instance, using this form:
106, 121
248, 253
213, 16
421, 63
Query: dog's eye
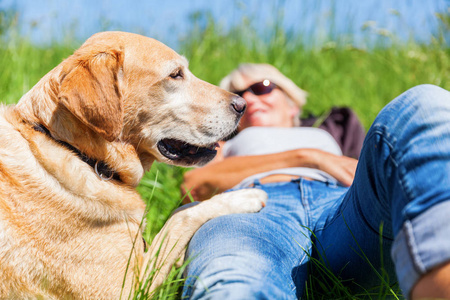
178, 74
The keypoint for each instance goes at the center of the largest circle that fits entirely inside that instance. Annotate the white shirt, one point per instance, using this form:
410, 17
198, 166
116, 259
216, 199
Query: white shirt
268, 140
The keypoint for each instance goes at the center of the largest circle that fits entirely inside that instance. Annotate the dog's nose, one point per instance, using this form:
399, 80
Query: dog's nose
238, 104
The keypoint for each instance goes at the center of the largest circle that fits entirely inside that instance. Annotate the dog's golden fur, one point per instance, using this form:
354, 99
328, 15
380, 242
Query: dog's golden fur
65, 232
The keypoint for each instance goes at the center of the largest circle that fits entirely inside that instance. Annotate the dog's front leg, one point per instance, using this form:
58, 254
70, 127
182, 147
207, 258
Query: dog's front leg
170, 243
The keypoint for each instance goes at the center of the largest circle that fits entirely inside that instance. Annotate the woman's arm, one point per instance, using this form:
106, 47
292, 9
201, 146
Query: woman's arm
219, 176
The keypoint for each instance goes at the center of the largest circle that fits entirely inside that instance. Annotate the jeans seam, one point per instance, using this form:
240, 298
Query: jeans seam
396, 158
300, 261
304, 193
409, 232
393, 157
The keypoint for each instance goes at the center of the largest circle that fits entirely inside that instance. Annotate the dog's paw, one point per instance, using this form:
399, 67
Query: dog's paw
243, 201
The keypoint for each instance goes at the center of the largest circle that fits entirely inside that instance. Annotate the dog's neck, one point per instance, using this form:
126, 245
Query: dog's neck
40, 106
101, 168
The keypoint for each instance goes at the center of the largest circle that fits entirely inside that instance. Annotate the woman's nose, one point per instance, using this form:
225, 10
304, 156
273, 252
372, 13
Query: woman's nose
250, 98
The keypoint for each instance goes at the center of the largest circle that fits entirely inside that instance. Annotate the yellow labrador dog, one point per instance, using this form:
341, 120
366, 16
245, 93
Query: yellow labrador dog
75, 147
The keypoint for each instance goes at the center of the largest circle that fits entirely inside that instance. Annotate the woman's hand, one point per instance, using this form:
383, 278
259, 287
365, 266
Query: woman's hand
342, 168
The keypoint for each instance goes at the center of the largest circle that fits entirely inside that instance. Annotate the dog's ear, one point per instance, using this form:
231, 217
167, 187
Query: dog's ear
89, 89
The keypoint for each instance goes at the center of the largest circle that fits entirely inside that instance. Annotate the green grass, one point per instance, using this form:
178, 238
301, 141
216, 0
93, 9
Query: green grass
335, 74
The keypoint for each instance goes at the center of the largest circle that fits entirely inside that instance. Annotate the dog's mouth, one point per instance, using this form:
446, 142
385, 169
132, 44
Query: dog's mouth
183, 153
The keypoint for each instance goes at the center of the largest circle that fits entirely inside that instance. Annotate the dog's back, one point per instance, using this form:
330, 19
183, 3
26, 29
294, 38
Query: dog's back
17, 167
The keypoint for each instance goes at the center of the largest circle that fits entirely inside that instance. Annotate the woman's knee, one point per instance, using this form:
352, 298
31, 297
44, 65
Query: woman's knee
429, 98
421, 102
422, 111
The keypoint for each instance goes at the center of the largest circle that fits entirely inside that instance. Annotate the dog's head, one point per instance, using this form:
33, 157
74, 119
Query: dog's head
133, 89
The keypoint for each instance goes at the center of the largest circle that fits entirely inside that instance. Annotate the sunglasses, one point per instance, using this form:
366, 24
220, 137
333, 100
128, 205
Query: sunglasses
259, 88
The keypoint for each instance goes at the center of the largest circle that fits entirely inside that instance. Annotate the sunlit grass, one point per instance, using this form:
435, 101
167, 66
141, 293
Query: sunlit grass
334, 73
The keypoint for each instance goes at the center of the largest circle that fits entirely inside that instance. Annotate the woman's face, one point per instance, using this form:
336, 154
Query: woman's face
272, 109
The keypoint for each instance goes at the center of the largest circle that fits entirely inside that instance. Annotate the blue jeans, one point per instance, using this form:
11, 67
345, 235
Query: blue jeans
402, 182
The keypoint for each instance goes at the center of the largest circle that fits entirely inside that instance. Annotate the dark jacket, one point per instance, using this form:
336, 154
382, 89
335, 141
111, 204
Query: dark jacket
343, 124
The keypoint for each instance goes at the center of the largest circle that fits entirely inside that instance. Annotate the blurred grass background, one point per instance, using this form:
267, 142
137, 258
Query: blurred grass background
335, 73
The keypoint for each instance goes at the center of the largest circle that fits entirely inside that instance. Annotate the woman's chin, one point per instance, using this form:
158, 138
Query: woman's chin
260, 122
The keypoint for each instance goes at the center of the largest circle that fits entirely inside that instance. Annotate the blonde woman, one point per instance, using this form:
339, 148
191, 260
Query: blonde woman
315, 196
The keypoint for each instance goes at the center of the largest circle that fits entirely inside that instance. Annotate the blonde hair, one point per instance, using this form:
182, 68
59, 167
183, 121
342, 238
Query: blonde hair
258, 72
